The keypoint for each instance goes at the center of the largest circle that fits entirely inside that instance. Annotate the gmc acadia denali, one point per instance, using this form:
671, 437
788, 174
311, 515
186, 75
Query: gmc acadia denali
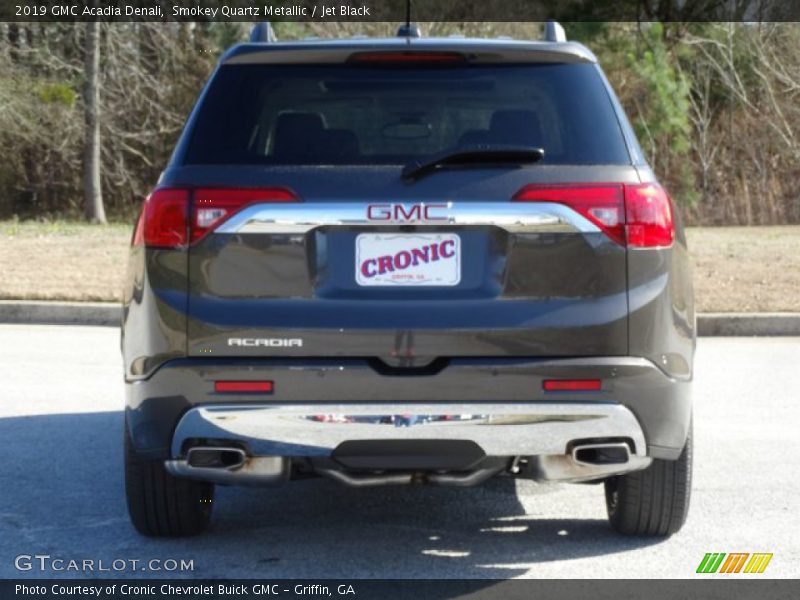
408, 261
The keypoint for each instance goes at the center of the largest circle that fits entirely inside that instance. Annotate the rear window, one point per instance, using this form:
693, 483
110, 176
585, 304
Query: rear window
344, 114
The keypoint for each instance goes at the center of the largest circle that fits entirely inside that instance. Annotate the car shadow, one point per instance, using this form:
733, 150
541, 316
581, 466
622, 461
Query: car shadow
63, 488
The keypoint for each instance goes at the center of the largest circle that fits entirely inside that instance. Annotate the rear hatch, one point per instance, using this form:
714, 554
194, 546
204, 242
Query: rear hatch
309, 241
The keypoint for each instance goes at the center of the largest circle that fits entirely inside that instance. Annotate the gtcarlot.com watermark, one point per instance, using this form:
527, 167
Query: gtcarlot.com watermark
46, 563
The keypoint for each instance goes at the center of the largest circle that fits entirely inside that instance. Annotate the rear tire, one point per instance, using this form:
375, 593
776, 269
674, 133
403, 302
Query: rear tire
654, 501
161, 505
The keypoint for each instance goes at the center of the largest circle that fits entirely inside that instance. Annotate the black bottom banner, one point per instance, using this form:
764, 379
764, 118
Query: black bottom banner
530, 589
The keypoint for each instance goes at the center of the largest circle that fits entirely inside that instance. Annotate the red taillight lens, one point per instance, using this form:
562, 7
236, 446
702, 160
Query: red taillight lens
648, 216
571, 385
639, 214
163, 222
138, 232
603, 204
211, 207
265, 387
406, 57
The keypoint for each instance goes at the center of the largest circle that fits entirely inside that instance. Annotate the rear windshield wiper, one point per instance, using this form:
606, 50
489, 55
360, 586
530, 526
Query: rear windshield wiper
480, 155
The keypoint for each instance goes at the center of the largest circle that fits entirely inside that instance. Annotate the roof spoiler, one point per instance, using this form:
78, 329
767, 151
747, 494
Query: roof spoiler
263, 33
554, 32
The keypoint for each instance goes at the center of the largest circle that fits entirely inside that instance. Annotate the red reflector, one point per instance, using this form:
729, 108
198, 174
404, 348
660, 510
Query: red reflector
571, 385
243, 386
601, 203
212, 207
407, 57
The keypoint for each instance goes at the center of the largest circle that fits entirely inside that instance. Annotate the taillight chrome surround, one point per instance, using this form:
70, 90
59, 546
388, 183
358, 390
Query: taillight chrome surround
636, 215
213, 206
633, 215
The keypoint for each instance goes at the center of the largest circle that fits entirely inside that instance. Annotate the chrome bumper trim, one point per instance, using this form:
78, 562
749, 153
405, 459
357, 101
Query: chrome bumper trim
310, 430
300, 218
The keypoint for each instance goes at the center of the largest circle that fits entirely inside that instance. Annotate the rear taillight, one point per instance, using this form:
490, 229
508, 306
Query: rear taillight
211, 207
603, 204
648, 216
639, 215
165, 223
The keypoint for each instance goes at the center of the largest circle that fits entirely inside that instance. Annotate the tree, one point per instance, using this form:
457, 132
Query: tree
92, 192
716, 105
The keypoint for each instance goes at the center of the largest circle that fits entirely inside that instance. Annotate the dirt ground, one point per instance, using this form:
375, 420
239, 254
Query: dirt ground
746, 269
736, 269
62, 261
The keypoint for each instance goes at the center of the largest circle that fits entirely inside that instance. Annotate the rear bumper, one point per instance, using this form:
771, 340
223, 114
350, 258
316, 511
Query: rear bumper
363, 436
509, 414
307, 430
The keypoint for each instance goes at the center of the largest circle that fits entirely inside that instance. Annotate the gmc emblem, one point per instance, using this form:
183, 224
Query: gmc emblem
401, 212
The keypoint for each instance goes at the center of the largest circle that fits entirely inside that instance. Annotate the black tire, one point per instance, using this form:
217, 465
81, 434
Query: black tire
654, 501
161, 505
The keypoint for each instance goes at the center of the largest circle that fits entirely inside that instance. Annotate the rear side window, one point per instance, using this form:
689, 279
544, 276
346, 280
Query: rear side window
363, 115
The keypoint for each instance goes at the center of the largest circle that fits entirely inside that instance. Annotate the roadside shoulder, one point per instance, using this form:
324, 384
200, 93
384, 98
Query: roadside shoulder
60, 313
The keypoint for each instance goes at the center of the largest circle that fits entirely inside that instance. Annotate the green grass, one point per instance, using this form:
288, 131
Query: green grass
17, 228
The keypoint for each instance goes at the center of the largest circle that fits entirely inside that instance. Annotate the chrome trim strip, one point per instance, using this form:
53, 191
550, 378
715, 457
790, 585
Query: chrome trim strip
300, 218
519, 429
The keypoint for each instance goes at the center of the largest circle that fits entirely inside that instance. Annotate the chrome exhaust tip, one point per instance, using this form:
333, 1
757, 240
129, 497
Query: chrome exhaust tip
601, 454
201, 457
229, 466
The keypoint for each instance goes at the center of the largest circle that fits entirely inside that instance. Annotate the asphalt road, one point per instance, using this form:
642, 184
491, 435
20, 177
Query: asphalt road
62, 492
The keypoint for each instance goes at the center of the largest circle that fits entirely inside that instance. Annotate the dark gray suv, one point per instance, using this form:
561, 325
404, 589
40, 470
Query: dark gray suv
403, 261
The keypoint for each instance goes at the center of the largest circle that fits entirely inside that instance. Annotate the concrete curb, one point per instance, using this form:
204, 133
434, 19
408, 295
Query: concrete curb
110, 314
60, 313
748, 324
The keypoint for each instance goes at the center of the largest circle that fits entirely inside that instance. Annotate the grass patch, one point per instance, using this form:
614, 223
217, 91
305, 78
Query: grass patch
62, 260
736, 269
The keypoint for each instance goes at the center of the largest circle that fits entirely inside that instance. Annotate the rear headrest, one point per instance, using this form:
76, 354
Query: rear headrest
515, 127
298, 135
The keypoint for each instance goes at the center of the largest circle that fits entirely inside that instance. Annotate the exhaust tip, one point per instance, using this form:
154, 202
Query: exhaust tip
601, 454
216, 458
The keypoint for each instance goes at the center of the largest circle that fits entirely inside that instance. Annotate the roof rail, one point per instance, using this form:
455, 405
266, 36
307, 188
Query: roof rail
262, 32
554, 32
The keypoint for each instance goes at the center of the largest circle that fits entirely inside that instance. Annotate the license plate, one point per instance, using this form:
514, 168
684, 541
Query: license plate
412, 259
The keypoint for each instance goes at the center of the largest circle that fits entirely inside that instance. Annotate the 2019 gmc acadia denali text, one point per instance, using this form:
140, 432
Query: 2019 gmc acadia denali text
408, 260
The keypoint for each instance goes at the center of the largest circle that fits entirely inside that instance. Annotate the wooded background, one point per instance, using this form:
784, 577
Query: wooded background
89, 113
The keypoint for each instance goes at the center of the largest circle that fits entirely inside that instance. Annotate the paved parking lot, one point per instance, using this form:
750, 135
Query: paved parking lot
61, 482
